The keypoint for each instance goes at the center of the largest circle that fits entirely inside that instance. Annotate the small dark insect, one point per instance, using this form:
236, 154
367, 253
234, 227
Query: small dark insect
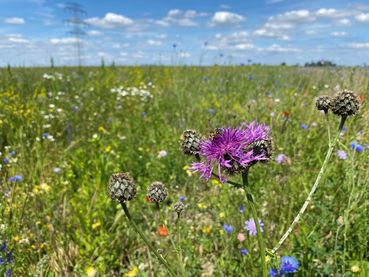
215, 132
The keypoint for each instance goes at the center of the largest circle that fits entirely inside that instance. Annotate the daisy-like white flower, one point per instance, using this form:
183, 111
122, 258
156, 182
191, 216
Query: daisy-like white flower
233, 151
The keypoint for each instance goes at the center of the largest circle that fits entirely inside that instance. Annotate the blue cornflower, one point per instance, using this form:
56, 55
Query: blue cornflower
45, 135
6, 160
228, 228
8, 272
273, 273
12, 153
182, 198
242, 209
9, 257
12, 179
289, 265
2, 261
358, 147
304, 126
18, 178
243, 251
3, 247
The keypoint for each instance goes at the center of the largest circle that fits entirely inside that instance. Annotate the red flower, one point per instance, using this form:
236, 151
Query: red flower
286, 113
162, 231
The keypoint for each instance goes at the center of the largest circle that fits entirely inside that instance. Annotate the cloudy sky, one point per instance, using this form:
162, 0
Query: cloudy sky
186, 32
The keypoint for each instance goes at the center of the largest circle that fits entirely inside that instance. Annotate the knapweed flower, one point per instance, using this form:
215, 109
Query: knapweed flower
323, 103
228, 228
342, 154
243, 252
233, 150
251, 227
345, 104
121, 187
157, 192
289, 265
178, 207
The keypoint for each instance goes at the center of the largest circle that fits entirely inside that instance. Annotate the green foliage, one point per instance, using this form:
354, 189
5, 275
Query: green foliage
70, 131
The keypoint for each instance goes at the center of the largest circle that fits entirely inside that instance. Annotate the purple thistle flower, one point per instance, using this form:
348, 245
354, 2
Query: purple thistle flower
232, 150
251, 227
342, 154
289, 265
243, 251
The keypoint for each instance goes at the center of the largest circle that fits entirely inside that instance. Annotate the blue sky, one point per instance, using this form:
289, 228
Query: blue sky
186, 32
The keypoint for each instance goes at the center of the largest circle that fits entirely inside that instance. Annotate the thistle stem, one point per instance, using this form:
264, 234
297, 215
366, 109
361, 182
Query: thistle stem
313, 189
251, 203
180, 256
142, 235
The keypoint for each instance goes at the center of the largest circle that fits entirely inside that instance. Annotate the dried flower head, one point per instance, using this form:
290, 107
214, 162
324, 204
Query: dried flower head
157, 192
323, 103
121, 187
190, 142
179, 207
345, 104
234, 150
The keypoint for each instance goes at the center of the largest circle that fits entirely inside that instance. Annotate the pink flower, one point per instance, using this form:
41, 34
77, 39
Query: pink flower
241, 237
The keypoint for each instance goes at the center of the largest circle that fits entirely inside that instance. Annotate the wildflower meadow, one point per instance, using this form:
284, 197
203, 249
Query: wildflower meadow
184, 171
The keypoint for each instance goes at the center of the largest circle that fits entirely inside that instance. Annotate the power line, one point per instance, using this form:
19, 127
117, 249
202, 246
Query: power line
77, 26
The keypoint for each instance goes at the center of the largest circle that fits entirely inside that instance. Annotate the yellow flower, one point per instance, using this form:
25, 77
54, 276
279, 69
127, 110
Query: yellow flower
45, 187
202, 206
16, 238
206, 229
132, 273
102, 130
222, 215
221, 232
96, 225
91, 272
355, 268
217, 183
186, 168
108, 149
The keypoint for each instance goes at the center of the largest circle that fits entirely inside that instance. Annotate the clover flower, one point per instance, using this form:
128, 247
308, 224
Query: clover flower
233, 150
251, 227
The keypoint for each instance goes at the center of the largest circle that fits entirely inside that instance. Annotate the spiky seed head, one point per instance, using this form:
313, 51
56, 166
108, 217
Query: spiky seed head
157, 192
345, 104
179, 207
121, 187
323, 103
190, 142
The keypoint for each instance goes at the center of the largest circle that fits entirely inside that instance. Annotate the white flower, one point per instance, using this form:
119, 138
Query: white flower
162, 154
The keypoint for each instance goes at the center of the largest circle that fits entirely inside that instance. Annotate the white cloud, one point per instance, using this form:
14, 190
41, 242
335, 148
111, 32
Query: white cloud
153, 42
363, 17
280, 49
244, 46
110, 21
343, 22
234, 41
360, 45
338, 34
226, 18
224, 6
94, 33
310, 32
180, 18
14, 20
184, 55
63, 41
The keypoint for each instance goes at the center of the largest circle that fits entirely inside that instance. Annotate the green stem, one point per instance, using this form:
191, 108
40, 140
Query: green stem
328, 129
180, 255
142, 235
312, 191
250, 201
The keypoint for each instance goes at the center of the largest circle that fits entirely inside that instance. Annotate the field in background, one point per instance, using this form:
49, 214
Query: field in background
64, 131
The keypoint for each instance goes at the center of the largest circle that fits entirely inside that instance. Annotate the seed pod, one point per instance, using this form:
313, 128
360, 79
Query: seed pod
121, 187
323, 103
190, 142
178, 207
345, 104
157, 192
